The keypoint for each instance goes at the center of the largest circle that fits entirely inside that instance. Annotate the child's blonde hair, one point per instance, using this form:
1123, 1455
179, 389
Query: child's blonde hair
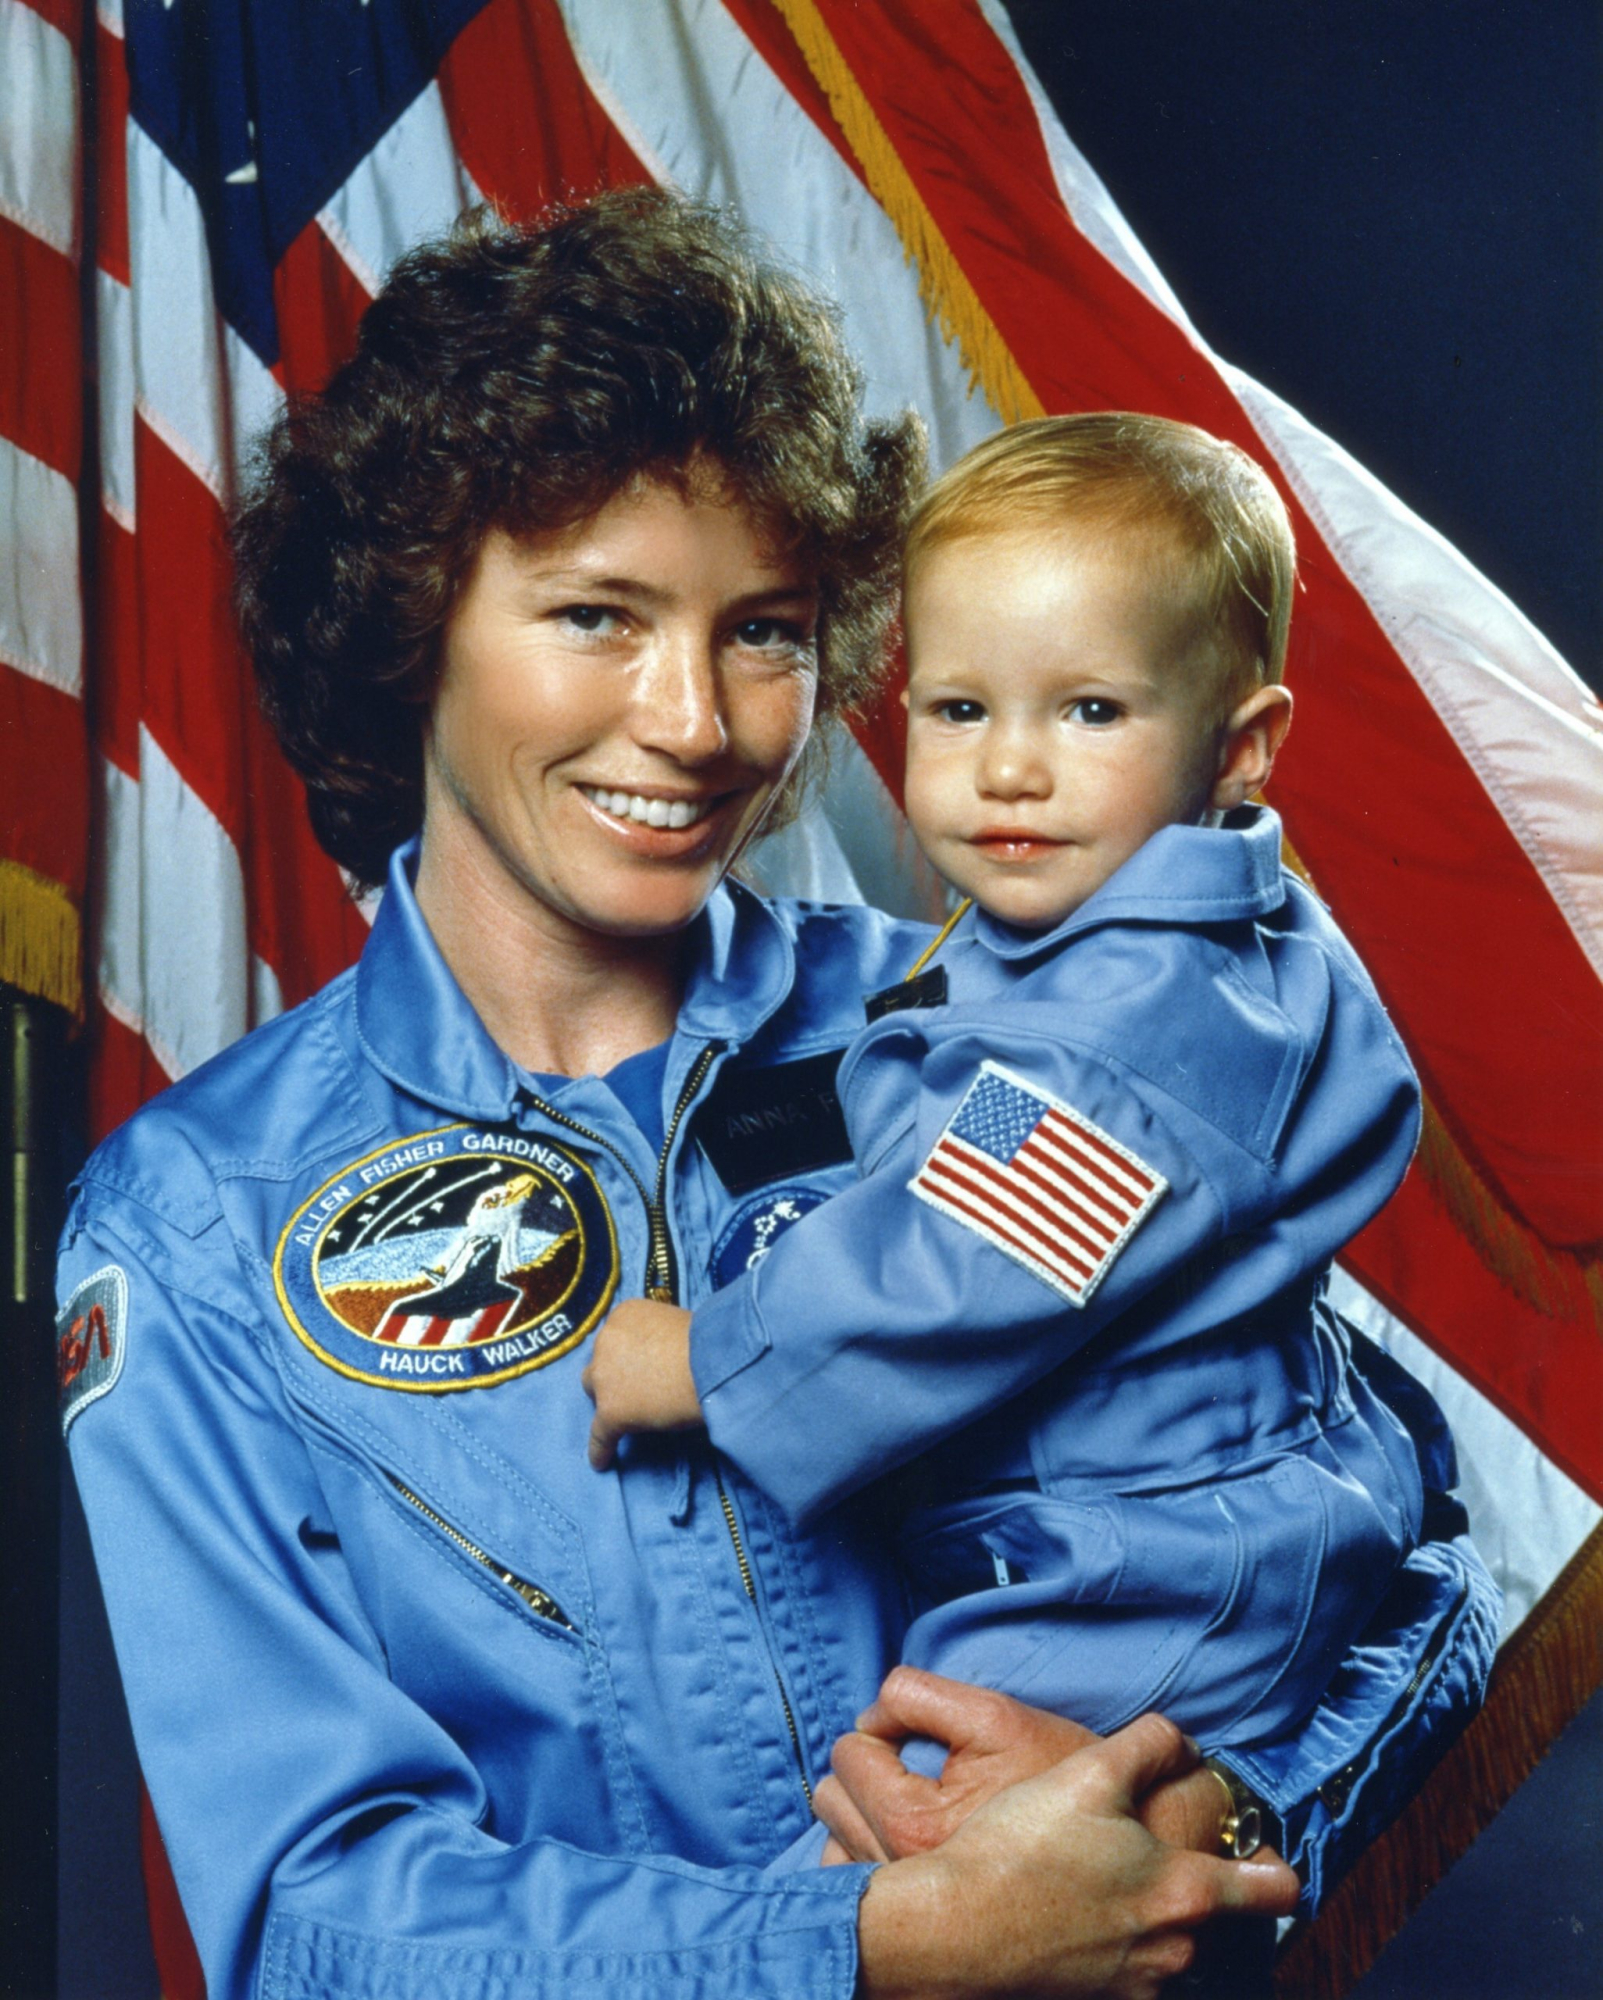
1114, 469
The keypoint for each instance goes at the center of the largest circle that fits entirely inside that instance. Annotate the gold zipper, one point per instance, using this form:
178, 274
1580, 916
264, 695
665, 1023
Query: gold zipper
659, 1263
659, 1270
538, 1600
661, 1286
749, 1581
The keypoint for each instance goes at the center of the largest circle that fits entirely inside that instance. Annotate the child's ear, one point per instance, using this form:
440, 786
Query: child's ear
1253, 734
902, 697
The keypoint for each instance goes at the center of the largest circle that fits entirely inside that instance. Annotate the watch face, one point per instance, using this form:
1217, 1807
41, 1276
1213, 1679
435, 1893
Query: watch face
1245, 1832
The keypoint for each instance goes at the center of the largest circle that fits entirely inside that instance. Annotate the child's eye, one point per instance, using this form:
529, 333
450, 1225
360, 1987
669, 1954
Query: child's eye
960, 711
1095, 712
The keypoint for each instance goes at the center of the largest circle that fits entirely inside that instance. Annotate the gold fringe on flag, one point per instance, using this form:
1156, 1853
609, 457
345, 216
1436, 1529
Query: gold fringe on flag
1561, 1283
943, 284
1543, 1678
41, 938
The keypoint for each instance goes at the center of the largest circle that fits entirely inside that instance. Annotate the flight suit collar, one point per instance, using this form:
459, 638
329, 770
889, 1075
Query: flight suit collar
419, 1029
1183, 874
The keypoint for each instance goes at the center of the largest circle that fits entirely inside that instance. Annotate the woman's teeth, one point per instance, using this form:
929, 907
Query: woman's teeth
649, 812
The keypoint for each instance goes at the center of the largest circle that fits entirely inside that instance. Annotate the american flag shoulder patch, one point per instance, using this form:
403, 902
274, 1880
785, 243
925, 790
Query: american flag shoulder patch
1039, 1180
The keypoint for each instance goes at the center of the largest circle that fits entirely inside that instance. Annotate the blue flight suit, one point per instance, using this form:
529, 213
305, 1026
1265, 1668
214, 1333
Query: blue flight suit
1166, 1484
425, 1705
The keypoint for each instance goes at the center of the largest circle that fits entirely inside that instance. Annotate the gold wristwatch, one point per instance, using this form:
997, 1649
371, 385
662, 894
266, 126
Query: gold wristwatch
1248, 1821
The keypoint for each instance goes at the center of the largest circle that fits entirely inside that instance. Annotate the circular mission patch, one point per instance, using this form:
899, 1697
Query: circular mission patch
450, 1260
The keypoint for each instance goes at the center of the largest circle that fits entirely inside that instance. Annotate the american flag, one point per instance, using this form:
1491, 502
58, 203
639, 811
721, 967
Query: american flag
251, 174
1046, 1185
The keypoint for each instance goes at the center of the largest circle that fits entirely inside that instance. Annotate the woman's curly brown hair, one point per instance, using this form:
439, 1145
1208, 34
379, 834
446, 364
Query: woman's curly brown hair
518, 378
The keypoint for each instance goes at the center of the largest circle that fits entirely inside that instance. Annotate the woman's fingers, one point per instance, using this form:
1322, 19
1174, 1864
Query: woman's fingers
850, 1833
1141, 1755
1054, 1888
912, 1702
902, 1812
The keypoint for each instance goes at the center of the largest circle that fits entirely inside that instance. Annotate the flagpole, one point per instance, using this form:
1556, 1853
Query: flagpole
31, 1047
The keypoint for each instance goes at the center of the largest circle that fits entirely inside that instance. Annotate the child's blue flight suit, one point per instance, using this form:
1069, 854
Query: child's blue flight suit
426, 1706
1101, 1188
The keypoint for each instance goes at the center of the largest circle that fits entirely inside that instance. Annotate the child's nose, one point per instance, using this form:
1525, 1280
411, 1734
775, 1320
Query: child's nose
1011, 768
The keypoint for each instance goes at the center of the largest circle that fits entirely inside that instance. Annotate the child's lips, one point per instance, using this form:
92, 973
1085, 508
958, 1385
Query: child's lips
1014, 843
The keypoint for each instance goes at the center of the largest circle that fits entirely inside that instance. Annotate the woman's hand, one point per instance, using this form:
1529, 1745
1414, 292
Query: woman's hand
876, 1809
639, 1376
1053, 1888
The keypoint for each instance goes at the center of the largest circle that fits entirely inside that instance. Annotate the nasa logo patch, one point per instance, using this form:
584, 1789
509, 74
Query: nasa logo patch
91, 1341
757, 1227
451, 1260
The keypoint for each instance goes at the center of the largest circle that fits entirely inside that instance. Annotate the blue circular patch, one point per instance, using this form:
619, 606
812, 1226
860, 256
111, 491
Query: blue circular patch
757, 1227
449, 1260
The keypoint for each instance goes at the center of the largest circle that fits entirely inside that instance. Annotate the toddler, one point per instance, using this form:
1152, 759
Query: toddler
1109, 1134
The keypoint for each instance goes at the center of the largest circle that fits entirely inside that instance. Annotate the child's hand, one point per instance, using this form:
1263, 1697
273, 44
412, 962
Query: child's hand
639, 1376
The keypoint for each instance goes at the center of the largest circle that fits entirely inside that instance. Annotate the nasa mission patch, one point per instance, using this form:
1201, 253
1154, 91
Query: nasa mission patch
450, 1260
757, 1227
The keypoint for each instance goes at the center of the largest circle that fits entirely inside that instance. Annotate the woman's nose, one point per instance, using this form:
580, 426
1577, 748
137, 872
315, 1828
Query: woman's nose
679, 705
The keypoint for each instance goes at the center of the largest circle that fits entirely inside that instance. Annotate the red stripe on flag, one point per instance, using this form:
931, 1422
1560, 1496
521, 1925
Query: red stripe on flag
41, 353
301, 917
1402, 837
178, 1970
522, 116
1094, 1233
117, 667
46, 821
949, 1171
123, 1073
1056, 1156
319, 303
194, 692
199, 701
1056, 1204
1543, 1372
111, 156
1070, 1132
492, 1319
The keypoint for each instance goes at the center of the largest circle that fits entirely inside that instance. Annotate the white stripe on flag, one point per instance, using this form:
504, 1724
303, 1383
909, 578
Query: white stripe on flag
115, 341
39, 156
411, 185
199, 387
850, 844
41, 613
1527, 1517
1529, 726
712, 112
175, 962
1526, 724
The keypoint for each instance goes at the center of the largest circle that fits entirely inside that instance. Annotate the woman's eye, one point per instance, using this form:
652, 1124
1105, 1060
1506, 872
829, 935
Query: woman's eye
594, 618
771, 635
1096, 713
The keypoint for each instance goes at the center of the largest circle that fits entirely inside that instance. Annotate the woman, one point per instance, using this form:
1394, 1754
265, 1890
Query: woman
560, 571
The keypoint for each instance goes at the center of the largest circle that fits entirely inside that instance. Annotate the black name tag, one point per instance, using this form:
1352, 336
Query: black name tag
760, 1124
925, 989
